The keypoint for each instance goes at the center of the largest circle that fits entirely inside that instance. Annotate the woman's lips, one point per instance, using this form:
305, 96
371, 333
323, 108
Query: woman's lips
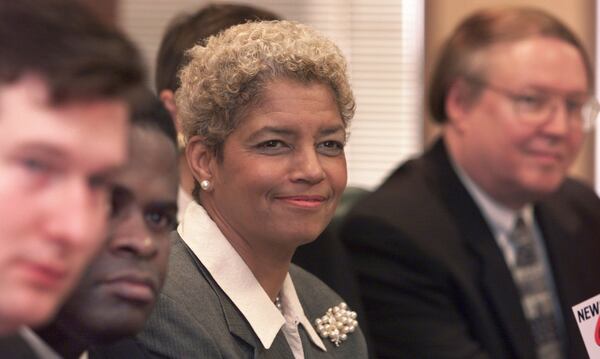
304, 201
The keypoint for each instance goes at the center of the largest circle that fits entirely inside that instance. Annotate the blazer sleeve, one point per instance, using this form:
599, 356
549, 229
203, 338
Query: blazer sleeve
408, 295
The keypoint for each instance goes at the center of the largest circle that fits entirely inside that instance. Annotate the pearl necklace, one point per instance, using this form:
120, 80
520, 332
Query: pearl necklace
278, 304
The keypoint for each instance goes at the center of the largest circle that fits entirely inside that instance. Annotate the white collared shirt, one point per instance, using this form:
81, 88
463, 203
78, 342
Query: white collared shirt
234, 277
502, 220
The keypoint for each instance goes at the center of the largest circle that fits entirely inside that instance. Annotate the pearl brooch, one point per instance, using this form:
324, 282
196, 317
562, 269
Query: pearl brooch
337, 323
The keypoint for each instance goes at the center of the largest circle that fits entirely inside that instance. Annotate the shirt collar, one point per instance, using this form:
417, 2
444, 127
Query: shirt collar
501, 218
234, 277
293, 311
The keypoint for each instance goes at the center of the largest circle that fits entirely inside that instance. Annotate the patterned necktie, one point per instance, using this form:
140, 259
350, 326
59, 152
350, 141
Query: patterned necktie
536, 296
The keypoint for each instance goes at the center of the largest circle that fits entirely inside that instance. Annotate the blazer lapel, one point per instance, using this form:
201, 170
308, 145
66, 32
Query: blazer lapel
494, 275
561, 229
501, 292
237, 324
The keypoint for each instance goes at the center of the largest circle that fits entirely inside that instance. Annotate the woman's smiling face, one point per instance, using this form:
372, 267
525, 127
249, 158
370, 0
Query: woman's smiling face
283, 168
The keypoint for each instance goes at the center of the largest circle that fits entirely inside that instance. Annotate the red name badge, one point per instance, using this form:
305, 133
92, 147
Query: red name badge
587, 317
597, 336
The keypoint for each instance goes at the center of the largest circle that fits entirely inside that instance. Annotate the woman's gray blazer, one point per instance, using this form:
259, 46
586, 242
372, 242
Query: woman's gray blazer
195, 319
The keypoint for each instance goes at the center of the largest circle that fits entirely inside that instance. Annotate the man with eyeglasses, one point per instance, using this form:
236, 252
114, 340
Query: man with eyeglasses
480, 247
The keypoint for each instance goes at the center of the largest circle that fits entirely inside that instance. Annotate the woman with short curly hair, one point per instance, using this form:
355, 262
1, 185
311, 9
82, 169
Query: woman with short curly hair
265, 109
224, 77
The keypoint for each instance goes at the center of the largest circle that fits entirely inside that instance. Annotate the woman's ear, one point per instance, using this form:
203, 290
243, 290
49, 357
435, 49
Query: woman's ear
200, 158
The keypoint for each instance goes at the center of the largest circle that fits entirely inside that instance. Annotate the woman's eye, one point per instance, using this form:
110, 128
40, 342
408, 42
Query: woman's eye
330, 148
273, 147
272, 144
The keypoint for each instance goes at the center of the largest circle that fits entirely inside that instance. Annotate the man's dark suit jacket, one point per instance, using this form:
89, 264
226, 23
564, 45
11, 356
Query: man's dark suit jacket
434, 282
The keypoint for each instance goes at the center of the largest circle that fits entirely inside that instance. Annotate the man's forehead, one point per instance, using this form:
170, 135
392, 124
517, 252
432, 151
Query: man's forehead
34, 89
151, 169
93, 133
538, 61
151, 150
29, 86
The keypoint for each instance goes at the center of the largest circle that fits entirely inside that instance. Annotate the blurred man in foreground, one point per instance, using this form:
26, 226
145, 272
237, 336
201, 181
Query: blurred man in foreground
118, 290
63, 129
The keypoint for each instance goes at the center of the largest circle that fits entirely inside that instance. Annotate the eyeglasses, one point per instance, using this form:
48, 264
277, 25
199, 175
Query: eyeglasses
536, 107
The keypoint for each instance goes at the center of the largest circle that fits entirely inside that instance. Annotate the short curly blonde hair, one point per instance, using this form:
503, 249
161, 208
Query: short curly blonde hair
229, 73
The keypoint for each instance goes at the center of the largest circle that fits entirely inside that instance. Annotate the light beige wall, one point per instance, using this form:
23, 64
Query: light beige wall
441, 16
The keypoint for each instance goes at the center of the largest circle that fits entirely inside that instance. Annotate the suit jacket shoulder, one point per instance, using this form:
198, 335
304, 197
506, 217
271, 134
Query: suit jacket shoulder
422, 208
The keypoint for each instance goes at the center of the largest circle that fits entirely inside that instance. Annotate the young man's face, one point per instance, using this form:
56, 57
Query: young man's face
54, 161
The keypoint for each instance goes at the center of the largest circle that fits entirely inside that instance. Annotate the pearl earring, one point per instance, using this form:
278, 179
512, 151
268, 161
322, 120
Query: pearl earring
205, 185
